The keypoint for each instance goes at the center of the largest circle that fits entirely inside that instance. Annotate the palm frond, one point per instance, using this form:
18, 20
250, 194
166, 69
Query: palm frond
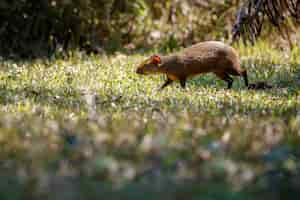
254, 13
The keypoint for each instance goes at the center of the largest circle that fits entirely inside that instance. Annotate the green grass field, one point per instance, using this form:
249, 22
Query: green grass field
88, 126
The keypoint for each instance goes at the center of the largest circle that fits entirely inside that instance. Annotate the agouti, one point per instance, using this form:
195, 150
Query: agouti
204, 57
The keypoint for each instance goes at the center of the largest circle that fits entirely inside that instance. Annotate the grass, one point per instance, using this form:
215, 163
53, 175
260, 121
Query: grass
88, 126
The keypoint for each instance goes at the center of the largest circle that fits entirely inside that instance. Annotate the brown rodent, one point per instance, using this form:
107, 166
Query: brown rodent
204, 57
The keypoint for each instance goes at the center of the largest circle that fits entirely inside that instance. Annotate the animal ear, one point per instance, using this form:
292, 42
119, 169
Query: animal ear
155, 59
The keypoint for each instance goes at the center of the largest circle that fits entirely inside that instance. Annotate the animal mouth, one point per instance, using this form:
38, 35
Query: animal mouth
140, 71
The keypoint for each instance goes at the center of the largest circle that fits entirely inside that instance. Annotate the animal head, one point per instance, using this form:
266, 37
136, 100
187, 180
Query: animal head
150, 66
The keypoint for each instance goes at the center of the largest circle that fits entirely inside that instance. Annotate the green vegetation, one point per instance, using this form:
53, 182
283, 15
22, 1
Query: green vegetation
88, 126
36, 29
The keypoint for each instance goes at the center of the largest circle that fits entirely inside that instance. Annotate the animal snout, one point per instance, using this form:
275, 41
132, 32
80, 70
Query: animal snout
140, 71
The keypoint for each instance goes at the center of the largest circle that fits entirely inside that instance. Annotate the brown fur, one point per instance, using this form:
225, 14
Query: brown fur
204, 57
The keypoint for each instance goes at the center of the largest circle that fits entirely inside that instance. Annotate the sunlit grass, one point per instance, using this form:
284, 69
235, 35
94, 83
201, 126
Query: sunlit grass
93, 116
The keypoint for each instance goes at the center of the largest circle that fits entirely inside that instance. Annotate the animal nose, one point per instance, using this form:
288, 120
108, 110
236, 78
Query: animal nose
139, 71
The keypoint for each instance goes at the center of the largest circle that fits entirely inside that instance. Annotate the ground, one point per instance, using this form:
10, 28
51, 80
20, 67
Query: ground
88, 126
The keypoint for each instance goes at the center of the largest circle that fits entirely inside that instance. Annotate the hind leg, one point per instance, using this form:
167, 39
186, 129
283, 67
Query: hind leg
242, 73
227, 78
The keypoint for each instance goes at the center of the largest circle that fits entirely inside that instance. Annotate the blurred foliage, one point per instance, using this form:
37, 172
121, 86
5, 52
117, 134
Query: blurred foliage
31, 28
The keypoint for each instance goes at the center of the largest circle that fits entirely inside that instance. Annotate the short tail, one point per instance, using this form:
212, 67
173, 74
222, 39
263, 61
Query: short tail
244, 73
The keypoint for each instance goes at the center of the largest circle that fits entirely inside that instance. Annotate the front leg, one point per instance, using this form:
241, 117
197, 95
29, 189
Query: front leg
168, 82
182, 82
